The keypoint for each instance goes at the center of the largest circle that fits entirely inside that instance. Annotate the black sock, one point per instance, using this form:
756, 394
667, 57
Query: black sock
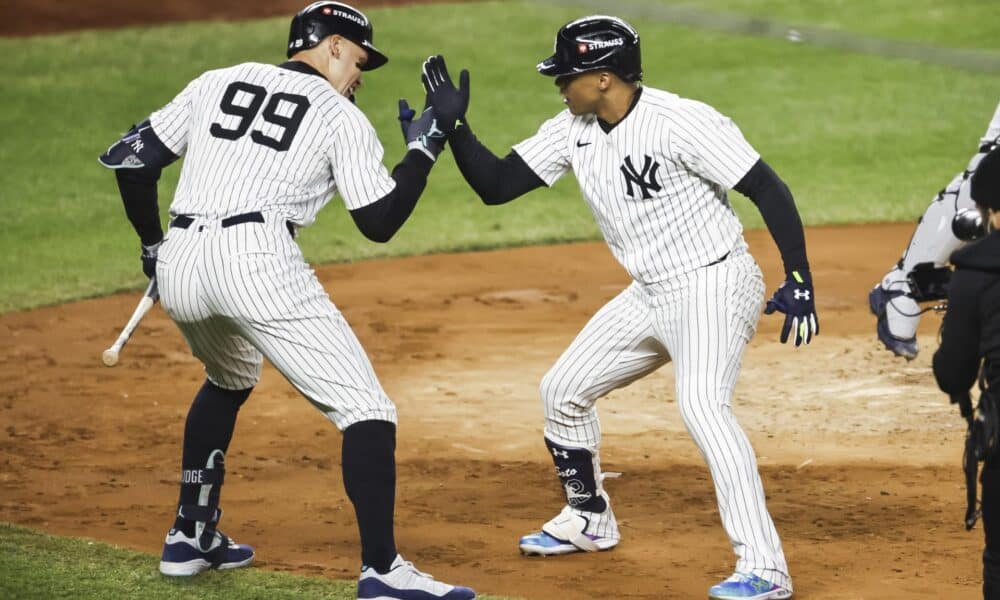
209, 427
575, 468
369, 466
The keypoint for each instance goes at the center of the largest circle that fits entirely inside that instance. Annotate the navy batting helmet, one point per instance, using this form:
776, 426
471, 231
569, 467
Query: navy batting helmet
321, 19
592, 43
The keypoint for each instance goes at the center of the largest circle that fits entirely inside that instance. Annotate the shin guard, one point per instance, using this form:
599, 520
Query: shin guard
579, 472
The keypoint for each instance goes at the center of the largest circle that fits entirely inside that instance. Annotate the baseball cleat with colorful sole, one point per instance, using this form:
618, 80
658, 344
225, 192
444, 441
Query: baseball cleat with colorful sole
543, 544
747, 586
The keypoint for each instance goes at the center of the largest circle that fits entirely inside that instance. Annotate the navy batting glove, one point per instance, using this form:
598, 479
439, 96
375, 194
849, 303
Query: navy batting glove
422, 134
148, 258
449, 103
796, 299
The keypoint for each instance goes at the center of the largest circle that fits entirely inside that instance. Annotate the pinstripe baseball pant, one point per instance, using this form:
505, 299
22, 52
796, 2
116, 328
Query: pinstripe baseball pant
244, 292
701, 321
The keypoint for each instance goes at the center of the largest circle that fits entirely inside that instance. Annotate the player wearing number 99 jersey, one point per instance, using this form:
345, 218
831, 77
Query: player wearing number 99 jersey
265, 147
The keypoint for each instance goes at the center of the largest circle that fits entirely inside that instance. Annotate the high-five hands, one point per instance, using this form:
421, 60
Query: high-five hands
448, 102
796, 299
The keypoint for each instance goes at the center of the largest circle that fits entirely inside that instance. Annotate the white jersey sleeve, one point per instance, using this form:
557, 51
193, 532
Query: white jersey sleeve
547, 152
172, 123
355, 156
710, 144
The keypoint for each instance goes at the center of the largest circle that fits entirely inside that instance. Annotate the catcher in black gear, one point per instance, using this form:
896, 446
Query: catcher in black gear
970, 351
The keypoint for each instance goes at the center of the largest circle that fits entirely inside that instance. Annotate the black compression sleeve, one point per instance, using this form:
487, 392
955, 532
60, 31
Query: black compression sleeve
380, 220
774, 200
138, 192
956, 362
495, 180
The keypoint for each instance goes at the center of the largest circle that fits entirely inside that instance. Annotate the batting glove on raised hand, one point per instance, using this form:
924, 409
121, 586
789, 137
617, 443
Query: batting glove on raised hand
422, 134
148, 258
796, 299
449, 103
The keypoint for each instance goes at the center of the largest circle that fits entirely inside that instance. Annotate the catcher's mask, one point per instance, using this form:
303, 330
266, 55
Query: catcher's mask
595, 43
321, 19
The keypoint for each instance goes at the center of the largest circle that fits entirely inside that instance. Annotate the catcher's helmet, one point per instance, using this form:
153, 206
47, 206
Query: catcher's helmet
592, 43
321, 19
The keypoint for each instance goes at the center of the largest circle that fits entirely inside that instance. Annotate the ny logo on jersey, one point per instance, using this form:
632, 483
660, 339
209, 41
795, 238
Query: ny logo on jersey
646, 179
802, 295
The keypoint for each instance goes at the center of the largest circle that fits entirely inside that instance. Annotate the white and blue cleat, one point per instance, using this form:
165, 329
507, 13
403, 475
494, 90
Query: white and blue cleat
182, 557
747, 586
573, 530
404, 582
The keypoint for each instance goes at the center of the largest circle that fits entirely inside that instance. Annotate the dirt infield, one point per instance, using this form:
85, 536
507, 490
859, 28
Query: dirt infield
859, 453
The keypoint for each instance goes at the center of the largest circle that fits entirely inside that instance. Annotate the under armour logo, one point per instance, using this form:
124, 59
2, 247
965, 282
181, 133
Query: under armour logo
560, 453
646, 179
802, 295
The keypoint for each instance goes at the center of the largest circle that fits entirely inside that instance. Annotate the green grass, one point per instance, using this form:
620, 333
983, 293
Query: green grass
966, 24
858, 138
36, 565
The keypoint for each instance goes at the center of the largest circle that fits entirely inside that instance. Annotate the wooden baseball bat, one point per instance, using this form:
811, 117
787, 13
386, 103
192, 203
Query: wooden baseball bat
110, 356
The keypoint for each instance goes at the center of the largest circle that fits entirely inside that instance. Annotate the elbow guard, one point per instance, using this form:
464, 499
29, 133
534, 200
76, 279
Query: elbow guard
138, 148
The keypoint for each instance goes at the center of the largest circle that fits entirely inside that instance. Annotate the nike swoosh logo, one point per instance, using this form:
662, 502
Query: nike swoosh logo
580, 144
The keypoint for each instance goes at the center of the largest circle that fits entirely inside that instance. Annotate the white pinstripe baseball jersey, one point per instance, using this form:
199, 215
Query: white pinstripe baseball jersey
656, 183
274, 143
260, 137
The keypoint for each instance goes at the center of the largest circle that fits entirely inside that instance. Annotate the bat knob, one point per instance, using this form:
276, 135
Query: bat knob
109, 357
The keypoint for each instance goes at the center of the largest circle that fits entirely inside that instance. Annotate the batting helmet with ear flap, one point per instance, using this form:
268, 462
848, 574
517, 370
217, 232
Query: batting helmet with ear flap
322, 19
594, 43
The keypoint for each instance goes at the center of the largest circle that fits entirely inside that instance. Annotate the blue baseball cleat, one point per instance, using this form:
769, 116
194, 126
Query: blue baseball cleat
182, 556
573, 530
747, 586
405, 582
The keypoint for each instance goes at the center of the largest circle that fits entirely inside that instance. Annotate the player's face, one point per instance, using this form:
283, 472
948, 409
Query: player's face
581, 92
346, 66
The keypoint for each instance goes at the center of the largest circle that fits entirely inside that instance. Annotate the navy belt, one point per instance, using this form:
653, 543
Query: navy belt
185, 221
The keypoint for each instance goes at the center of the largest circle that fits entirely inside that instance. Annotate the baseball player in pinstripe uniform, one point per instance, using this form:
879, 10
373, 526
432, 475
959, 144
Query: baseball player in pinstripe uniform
265, 147
654, 169
921, 275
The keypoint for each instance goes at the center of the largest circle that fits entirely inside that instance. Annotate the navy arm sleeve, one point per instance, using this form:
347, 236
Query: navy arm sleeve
774, 200
495, 180
380, 220
956, 362
138, 159
138, 191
